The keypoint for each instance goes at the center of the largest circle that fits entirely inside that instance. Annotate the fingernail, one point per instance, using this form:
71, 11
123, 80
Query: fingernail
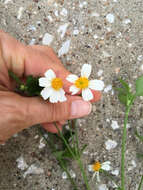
80, 108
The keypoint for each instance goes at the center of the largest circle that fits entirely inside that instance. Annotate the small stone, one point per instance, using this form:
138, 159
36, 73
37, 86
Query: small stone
21, 163
75, 32
94, 14
108, 88
133, 165
95, 36
42, 144
102, 187
110, 18
100, 72
47, 39
110, 144
64, 175
33, 169
115, 172
32, 42
62, 29
64, 12
65, 48
8, 1
140, 58
20, 11
106, 54
115, 125
50, 18
31, 28
126, 21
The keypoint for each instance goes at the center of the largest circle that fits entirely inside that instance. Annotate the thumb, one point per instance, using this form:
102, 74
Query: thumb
43, 112
18, 113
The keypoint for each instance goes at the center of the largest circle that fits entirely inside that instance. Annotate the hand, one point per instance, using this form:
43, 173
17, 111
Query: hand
17, 112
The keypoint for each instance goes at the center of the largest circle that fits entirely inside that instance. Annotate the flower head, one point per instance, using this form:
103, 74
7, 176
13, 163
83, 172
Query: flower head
83, 84
53, 87
97, 167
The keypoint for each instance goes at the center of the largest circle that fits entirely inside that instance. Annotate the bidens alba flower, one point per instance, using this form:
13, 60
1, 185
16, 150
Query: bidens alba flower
52, 87
83, 84
97, 167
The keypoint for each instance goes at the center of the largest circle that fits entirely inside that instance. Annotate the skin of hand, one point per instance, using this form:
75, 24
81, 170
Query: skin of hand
18, 112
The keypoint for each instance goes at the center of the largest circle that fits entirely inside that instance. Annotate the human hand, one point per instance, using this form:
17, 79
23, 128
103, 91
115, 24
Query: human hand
17, 112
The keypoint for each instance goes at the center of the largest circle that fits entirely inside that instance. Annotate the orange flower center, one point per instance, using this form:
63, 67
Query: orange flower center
96, 166
57, 83
82, 82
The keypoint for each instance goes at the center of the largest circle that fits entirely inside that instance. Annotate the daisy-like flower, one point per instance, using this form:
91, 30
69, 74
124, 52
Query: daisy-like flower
83, 84
52, 87
97, 167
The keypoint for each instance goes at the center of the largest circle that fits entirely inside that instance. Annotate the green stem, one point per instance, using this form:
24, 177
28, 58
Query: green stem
68, 174
83, 173
141, 183
124, 136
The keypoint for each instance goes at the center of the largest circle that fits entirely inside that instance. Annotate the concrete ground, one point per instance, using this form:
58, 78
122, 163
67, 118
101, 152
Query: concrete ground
105, 33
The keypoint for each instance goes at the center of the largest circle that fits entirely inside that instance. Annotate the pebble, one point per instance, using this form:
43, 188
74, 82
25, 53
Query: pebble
126, 21
8, 1
42, 144
110, 18
108, 88
114, 125
94, 14
140, 58
75, 32
50, 18
133, 165
102, 187
20, 11
47, 39
64, 12
31, 28
100, 72
115, 172
106, 54
62, 29
21, 164
95, 36
33, 169
65, 48
110, 144
64, 174
32, 42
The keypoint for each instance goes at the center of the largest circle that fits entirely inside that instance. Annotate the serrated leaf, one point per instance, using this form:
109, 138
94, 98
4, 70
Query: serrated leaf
139, 86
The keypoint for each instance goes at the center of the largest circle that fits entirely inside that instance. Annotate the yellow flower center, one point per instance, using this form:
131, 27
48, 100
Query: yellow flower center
82, 82
57, 83
96, 166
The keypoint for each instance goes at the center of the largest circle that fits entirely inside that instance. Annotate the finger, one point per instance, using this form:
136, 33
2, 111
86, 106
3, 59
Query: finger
96, 96
50, 127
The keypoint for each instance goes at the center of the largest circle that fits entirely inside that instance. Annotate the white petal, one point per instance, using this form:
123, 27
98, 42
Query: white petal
98, 177
86, 70
74, 89
72, 78
90, 168
106, 166
58, 95
46, 93
44, 82
50, 74
87, 94
62, 97
96, 84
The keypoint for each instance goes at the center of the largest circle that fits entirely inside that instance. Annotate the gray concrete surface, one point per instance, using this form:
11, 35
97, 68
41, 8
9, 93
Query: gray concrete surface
105, 33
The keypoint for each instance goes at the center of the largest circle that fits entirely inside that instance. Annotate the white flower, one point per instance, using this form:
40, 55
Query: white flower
97, 166
52, 87
82, 83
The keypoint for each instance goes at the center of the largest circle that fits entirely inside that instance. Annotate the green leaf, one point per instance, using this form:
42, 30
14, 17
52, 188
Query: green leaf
58, 154
123, 98
125, 85
139, 86
139, 136
32, 86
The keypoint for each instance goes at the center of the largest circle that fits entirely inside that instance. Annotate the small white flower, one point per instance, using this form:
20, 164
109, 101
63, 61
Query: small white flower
97, 166
52, 87
84, 84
